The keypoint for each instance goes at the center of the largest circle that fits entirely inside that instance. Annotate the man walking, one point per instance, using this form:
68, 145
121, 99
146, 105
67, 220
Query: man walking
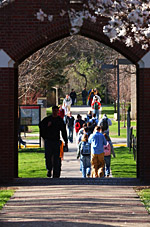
73, 96
70, 125
84, 96
97, 141
96, 106
50, 128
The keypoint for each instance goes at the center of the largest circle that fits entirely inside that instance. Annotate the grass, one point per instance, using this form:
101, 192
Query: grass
123, 165
5, 196
31, 137
49, 111
109, 110
144, 195
33, 129
31, 163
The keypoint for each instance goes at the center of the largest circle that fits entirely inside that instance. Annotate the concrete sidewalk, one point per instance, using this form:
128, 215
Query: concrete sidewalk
74, 206
72, 201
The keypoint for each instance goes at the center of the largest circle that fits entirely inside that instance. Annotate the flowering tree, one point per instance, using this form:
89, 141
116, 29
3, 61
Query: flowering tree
128, 20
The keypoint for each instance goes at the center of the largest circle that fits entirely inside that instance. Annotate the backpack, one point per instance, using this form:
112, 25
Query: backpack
96, 106
104, 123
85, 148
107, 149
94, 124
77, 127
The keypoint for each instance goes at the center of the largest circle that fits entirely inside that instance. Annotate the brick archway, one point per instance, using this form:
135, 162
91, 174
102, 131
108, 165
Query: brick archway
21, 35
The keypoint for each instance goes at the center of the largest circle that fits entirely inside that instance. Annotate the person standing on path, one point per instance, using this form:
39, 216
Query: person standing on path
73, 96
105, 122
97, 141
67, 104
70, 125
107, 156
84, 96
84, 152
96, 106
50, 128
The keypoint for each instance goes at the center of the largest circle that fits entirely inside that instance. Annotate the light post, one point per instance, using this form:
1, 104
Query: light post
56, 88
111, 66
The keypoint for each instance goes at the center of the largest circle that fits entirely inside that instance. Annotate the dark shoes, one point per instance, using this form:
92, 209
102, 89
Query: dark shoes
48, 173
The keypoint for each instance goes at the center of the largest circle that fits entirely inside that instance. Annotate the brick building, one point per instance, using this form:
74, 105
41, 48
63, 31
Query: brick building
21, 35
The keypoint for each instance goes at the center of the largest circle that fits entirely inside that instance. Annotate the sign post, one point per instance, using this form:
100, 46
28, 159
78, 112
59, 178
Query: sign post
30, 115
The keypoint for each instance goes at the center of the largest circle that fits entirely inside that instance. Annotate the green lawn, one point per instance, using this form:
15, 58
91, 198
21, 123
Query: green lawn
144, 195
123, 165
31, 163
109, 110
5, 196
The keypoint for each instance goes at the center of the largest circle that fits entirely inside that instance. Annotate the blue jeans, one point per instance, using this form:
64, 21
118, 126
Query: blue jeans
85, 165
70, 134
97, 113
107, 165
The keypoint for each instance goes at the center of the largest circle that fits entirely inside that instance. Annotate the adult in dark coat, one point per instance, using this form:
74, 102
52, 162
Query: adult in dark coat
73, 96
50, 128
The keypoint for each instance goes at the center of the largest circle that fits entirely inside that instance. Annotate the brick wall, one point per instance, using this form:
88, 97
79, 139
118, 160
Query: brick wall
21, 35
7, 124
143, 110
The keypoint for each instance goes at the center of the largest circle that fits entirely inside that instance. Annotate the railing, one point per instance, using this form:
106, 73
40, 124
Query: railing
132, 143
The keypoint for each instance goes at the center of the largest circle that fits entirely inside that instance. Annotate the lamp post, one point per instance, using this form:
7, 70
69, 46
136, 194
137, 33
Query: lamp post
111, 66
56, 95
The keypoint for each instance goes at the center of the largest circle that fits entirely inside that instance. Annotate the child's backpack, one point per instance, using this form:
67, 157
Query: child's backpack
95, 106
77, 127
104, 123
107, 149
85, 148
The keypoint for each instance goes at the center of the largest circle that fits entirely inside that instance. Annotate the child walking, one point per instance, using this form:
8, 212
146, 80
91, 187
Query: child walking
107, 156
84, 152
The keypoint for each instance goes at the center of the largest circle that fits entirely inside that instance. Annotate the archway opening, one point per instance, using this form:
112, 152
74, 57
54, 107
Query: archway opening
76, 62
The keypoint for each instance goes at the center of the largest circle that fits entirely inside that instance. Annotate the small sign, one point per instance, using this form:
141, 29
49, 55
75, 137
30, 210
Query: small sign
42, 101
30, 115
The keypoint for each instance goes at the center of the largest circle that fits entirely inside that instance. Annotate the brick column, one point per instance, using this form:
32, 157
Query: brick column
8, 123
143, 119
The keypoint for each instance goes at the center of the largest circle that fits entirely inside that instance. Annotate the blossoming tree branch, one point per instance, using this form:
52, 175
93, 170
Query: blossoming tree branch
129, 20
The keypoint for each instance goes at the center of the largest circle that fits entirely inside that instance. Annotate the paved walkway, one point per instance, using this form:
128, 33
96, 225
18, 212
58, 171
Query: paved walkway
74, 202
74, 206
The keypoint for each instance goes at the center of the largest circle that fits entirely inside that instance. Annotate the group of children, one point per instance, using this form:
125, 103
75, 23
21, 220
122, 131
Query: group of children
83, 130
84, 146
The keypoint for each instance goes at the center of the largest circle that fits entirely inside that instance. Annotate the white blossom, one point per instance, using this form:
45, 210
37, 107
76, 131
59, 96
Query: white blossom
40, 15
74, 31
125, 17
129, 42
145, 46
93, 19
110, 32
62, 13
147, 32
50, 17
